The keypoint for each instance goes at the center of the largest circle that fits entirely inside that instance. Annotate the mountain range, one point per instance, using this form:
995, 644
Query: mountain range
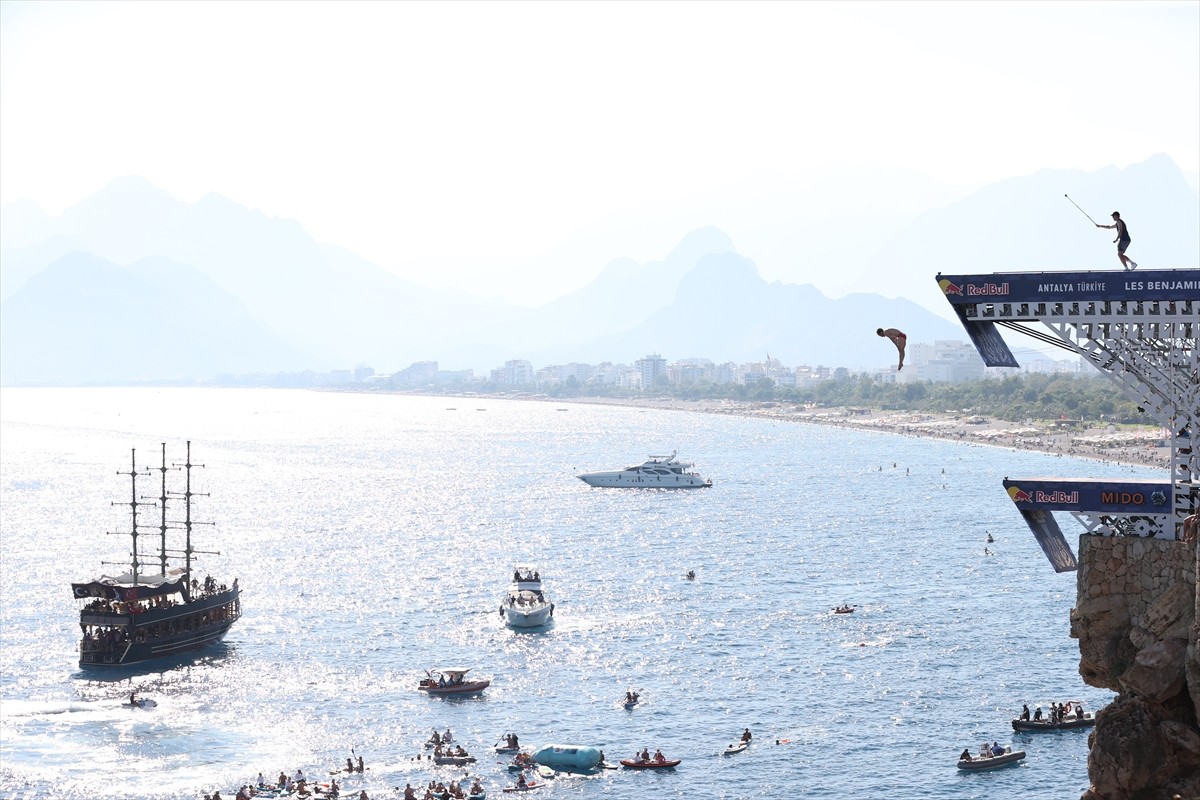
134, 285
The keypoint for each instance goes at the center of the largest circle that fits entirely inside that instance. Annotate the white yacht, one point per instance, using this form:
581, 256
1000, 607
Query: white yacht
525, 604
659, 472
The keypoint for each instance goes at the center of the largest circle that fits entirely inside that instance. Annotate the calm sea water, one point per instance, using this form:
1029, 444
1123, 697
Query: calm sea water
374, 535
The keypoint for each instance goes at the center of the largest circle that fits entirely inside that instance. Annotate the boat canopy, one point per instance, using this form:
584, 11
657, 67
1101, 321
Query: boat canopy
452, 670
118, 589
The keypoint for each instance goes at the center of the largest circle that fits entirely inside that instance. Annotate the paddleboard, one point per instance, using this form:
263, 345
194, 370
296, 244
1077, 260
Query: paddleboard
736, 747
144, 703
527, 788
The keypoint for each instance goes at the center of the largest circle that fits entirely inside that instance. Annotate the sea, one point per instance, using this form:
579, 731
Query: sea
373, 536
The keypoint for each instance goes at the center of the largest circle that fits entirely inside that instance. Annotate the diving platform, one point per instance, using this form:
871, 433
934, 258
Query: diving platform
1139, 329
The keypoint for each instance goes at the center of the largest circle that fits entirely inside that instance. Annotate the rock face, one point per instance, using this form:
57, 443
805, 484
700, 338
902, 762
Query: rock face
1136, 621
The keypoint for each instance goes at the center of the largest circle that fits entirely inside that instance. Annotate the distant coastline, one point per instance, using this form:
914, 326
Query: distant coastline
1134, 447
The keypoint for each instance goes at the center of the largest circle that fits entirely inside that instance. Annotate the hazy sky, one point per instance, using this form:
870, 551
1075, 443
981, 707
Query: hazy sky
484, 144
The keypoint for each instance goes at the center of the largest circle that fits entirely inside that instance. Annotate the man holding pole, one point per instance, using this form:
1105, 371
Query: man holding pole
1122, 240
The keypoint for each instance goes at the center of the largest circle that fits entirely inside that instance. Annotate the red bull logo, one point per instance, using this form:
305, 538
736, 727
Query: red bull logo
1019, 495
950, 287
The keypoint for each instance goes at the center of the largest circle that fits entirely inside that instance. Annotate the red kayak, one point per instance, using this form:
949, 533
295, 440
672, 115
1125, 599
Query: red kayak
639, 764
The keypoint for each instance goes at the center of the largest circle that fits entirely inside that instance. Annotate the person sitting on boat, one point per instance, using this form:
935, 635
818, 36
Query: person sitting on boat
283, 779
409, 792
334, 789
349, 765
966, 754
1079, 711
299, 776
512, 740
645, 755
363, 795
359, 768
659, 757
746, 735
447, 737
521, 781
997, 749
441, 680
1037, 714
1025, 712
477, 787
436, 738
517, 575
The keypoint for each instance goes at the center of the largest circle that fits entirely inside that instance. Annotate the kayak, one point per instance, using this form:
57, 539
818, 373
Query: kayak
479, 796
143, 703
639, 764
529, 787
736, 747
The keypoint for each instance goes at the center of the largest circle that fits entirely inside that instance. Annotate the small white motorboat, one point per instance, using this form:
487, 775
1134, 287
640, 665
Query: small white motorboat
525, 604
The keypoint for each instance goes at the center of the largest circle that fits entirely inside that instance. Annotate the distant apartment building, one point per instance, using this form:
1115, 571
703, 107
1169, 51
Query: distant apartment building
416, 375
941, 362
650, 368
517, 372
690, 371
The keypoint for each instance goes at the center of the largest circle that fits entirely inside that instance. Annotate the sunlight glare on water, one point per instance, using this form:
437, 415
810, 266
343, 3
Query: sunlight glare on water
374, 535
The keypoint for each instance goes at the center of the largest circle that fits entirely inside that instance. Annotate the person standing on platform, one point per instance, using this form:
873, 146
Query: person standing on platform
1122, 240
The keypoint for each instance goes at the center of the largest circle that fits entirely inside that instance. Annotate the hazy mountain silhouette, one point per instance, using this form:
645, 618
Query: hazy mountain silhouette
84, 319
796, 324
253, 293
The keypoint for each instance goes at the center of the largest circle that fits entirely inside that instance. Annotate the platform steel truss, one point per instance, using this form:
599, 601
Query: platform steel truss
1138, 329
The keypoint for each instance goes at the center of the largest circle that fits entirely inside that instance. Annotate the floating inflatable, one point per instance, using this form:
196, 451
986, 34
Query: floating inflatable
568, 756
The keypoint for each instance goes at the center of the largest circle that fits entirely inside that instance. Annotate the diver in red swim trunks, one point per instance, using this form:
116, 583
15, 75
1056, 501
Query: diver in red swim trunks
898, 338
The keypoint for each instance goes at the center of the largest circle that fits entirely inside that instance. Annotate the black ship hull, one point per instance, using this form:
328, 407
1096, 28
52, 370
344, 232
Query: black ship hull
125, 639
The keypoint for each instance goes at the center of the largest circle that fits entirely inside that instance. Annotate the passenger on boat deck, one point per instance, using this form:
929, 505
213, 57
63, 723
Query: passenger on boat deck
447, 737
1037, 714
436, 738
409, 792
283, 779
966, 754
521, 780
261, 780
1079, 711
645, 756
997, 750
1025, 712
659, 757
516, 575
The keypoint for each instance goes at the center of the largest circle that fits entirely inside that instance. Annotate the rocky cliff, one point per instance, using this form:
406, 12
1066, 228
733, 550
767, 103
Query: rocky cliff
1135, 619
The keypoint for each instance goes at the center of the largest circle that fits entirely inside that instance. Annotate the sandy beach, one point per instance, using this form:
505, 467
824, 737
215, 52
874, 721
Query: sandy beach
1134, 445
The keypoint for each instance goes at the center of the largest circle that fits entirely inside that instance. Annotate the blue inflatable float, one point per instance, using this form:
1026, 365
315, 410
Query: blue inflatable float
568, 757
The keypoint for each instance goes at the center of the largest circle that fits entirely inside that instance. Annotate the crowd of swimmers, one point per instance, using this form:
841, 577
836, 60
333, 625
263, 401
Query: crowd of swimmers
297, 784
437, 789
1058, 712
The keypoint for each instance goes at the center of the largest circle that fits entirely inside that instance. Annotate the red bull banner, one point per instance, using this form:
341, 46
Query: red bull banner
1053, 287
1091, 495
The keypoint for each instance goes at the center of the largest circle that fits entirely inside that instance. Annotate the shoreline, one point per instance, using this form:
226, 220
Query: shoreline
1114, 446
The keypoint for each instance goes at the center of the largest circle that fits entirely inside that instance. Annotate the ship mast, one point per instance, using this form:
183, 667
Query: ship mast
162, 503
133, 514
